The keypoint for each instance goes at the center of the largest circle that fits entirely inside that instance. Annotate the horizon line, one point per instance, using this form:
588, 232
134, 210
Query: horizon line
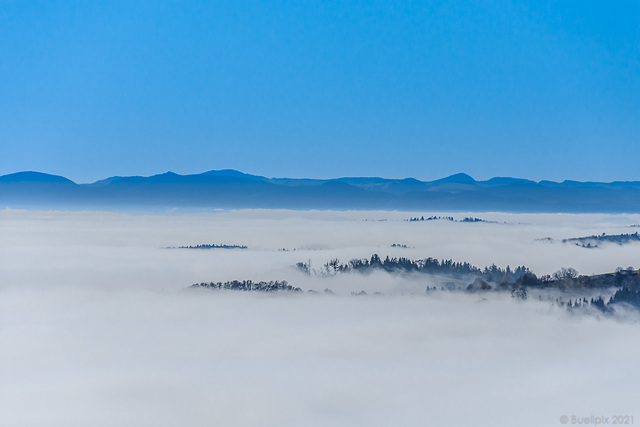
239, 173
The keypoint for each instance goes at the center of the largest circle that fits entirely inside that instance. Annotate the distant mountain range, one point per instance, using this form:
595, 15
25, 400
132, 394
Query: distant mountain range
228, 189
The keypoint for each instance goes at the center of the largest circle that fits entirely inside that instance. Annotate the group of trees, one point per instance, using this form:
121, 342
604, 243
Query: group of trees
565, 273
470, 219
447, 218
248, 285
480, 279
428, 265
567, 278
623, 296
594, 241
213, 246
431, 218
626, 296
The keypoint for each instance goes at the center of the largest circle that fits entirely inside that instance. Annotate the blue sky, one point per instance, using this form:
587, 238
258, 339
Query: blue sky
538, 90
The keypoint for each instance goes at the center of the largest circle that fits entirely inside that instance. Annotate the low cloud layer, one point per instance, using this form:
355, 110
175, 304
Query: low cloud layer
98, 328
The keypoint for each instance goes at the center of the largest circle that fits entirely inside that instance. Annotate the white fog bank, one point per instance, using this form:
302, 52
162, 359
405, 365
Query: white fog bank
97, 326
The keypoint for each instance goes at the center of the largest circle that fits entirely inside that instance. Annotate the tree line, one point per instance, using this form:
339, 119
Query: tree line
212, 246
593, 241
622, 296
448, 218
249, 286
426, 265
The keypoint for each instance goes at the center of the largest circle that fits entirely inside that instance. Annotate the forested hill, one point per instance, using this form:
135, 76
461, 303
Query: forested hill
487, 278
228, 189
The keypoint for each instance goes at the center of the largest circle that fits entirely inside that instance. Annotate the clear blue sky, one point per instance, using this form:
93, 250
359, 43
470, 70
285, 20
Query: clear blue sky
532, 89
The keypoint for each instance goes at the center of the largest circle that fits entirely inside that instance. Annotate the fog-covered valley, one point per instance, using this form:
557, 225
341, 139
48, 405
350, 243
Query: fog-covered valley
99, 324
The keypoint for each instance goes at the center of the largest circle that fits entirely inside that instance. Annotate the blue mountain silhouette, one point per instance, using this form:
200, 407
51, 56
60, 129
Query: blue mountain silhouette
227, 189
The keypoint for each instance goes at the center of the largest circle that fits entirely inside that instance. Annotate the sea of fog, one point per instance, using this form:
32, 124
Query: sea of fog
98, 325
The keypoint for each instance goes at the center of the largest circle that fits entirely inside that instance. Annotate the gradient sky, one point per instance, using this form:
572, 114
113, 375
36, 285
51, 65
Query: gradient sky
538, 90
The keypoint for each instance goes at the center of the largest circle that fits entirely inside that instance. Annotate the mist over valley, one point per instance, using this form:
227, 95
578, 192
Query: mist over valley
101, 324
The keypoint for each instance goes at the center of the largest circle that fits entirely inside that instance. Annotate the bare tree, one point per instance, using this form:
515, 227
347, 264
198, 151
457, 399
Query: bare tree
565, 273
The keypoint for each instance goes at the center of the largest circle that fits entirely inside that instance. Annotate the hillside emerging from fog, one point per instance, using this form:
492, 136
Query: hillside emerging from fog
230, 189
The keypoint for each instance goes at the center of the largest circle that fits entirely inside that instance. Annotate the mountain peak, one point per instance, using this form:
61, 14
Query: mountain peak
35, 177
458, 178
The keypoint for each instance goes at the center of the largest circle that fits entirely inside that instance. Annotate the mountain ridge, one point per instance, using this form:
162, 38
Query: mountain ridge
229, 188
